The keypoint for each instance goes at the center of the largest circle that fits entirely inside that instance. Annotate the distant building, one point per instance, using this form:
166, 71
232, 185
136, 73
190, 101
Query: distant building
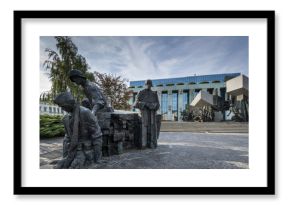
175, 94
49, 109
46, 107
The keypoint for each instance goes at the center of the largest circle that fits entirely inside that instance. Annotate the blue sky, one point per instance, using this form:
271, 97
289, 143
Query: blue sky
155, 57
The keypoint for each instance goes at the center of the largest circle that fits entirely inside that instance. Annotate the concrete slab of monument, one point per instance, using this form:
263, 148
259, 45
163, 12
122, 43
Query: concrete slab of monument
203, 98
238, 86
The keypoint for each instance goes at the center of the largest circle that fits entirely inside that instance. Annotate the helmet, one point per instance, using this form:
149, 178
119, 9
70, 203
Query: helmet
76, 73
148, 82
65, 98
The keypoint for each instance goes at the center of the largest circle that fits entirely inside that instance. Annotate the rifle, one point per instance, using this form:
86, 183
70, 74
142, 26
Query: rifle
72, 150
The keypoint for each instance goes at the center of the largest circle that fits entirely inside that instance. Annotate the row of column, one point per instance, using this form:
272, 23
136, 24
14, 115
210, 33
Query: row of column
179, 101
50, 109
170, 104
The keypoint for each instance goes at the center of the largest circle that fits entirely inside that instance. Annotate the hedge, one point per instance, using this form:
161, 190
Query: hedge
51, 126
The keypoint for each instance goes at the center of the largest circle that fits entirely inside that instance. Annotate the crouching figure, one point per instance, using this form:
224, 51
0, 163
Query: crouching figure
82, 143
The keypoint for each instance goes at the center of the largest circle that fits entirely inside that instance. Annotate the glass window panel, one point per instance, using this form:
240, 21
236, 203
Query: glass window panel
174, 101
185, 100
164, 103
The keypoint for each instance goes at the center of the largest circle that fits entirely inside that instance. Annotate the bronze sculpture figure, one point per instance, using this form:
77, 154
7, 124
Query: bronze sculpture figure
95, 96
147, 101
83, 140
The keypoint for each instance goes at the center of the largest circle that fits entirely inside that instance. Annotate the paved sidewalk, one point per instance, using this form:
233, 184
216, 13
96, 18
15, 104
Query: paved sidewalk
212, 127
176, 150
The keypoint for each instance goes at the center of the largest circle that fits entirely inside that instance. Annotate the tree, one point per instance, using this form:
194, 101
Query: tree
115, 89
61, 62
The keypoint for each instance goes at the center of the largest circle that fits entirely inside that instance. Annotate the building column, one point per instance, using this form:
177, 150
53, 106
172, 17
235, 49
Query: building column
169, 112
194, 94
131, 99
226, 96
159, 99
180, 102
191, 96
219, 91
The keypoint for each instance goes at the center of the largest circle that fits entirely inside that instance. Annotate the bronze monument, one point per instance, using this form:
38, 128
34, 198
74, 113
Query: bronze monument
93, 129
147, 101
83, 140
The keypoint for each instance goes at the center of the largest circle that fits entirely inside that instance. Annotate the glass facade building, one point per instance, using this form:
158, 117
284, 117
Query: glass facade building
164, 103
175, 94
187, 80
185, 100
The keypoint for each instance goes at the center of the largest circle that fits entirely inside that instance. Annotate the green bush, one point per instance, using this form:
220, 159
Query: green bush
180, 84
51, 126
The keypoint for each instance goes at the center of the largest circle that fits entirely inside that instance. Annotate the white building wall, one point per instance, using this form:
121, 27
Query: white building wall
48, 109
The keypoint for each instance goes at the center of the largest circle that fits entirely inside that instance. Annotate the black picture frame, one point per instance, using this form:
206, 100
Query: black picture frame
268, 190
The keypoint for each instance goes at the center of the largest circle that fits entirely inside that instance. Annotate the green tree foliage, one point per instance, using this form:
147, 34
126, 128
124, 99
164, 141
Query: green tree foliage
115, 89
66, 58
51, 126
61, 62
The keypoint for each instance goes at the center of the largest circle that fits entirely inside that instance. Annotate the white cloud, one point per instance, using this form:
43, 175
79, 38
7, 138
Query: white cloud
45, 84
139, 58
